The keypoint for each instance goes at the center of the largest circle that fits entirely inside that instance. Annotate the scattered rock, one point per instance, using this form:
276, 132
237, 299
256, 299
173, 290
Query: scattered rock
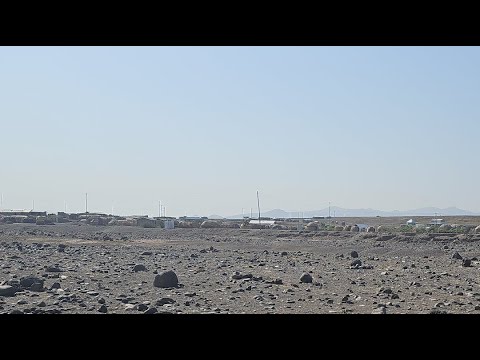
457, 256
53, 268
7, 290
306, 278
380, 310
356, 263
151, 310
167, 279
163, 301
142, 307
103, 309
139, 267
32, 283
354, 254
467, 263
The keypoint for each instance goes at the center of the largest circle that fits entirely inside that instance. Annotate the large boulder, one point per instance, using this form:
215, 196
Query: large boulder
166, 279
355, 228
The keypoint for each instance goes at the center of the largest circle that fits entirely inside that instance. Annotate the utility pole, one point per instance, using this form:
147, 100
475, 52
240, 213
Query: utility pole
258, 203
329, 209
33, 205
159, 208
86, 203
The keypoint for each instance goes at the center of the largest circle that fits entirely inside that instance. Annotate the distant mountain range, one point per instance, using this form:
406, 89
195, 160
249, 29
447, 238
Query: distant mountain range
341, 212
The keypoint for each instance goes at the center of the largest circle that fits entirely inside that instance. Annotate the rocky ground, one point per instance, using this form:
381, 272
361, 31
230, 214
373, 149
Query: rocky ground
71, 268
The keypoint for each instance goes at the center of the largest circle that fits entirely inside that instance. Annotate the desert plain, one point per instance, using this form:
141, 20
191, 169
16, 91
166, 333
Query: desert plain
75, 268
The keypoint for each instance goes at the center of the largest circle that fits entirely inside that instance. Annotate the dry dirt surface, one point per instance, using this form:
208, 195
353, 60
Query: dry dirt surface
72, 268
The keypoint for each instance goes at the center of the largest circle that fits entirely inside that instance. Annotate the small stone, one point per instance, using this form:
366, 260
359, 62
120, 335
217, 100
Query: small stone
380, 310
139, 267
151, 310
142, 307
467, 263
54, 268
164, 301
354, 254
147, 253
284, 253
306, 278
457, 256
356, 263
55, 285
41, 304
101, 301
103, 309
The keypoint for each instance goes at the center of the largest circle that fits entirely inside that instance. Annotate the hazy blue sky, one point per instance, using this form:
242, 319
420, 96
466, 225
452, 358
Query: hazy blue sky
202, 128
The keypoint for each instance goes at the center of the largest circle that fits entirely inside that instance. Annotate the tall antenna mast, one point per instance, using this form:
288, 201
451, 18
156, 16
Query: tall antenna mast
86, 203
33, 205
1, 201
329, 209
250, 213
159, 208
65, 205
258, 203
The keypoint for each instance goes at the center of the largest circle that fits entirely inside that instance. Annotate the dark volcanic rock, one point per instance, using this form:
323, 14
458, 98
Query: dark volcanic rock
151, 310
238, 276
457, 256
467, 263
354, 254
166, 279
7, 290
163, 301
32, 283
53, 268
356, 263
103, 309
306, 278
55, 285
142, 307
139, 267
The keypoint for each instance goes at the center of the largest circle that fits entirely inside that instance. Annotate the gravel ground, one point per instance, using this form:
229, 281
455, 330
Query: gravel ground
72, 268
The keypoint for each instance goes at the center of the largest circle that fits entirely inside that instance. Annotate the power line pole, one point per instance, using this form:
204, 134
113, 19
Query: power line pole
86, 203
258, 203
